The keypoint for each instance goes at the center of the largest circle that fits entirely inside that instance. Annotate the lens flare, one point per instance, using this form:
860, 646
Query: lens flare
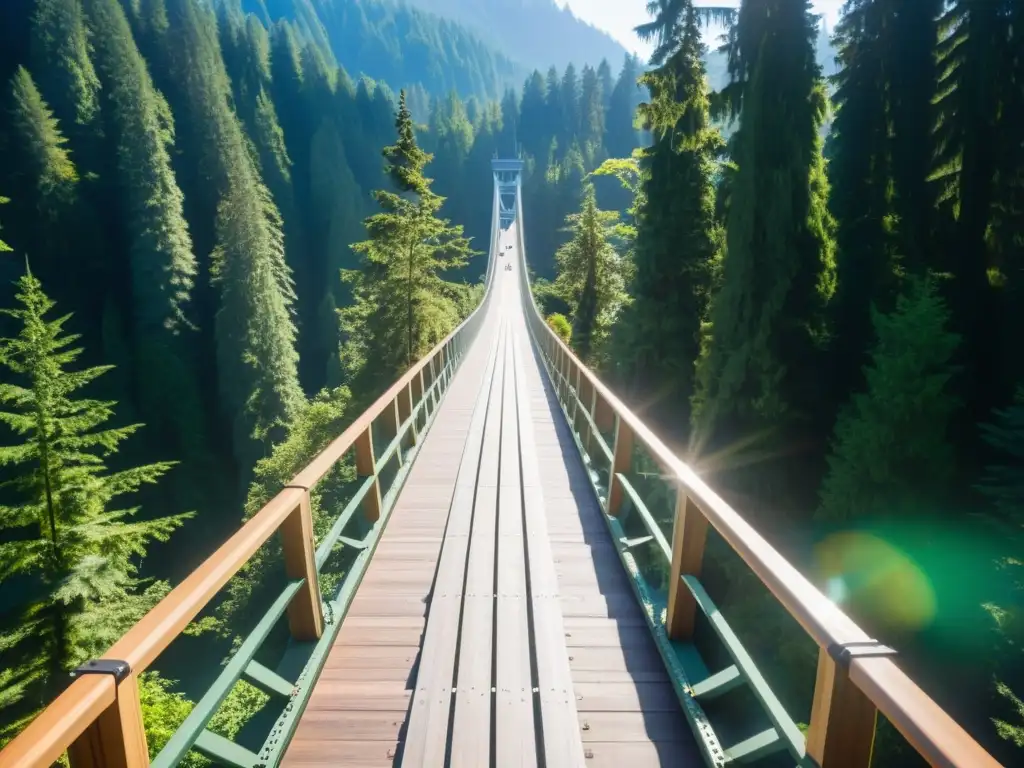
880, 583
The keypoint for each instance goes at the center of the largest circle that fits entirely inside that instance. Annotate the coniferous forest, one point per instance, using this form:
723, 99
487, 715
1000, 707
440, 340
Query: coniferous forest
809, 283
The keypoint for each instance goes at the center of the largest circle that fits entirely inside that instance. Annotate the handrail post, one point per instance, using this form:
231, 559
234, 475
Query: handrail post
843, 719
588, 403
622, 459
405, 406
366, 466
689, 534
117, 738
305, 612
418, 388
604, 415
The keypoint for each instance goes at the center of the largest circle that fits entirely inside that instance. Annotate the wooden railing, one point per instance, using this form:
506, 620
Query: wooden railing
98, 718
856, 677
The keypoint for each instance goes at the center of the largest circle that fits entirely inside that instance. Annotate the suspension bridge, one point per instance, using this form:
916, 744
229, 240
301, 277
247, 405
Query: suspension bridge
500, 605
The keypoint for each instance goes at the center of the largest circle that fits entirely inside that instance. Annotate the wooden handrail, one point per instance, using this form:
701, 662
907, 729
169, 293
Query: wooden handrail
936, 736
92, 700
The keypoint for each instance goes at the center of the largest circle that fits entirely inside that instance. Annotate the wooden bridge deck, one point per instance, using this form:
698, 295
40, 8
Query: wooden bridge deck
495, 625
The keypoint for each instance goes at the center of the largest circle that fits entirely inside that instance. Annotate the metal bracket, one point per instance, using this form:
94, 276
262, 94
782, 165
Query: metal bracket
119, 669
844, 653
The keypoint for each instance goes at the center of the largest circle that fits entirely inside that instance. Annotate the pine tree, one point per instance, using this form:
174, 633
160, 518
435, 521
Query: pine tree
757, 368
257, 363
590, 276
43, 169
402, 306
860, 175
891, 455
677, 238
76, 553
162, 267
621, 137
1003, 484
60, 54
4, 247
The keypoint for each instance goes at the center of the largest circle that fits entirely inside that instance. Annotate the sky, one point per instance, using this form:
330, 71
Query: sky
618, 17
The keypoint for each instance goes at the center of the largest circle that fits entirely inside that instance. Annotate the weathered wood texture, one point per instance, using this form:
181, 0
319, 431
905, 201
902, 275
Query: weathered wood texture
494, 626
627, 710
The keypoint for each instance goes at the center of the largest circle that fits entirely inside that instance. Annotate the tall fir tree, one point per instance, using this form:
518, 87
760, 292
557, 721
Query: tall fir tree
891, 453
678, 238
590, 277
44, 169
860, 175
161, 265
68, 543
257, 363
402, 305
766, 331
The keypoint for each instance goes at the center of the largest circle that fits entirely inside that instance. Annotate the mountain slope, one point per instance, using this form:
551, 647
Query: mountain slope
536, 33
403, 46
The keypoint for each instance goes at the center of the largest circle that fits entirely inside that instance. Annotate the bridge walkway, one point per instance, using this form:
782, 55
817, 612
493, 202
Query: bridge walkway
495, 624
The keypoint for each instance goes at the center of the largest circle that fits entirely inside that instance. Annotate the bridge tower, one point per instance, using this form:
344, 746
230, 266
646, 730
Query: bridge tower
508, 177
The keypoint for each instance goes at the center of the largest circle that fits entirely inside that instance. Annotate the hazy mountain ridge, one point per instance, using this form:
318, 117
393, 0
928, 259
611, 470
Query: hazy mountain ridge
402, 45
535, 33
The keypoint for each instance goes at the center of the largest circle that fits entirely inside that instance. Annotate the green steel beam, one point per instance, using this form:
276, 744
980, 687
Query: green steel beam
718, 684
649, 522
760, 745
772, 706
267, 680
225, 752
181, 742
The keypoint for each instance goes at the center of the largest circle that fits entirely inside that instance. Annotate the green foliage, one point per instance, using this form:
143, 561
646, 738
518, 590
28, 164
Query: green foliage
319, 422
402, 306
677, 236
59, 53
74, 549
41, 143
778, 273
161, 267
891, 453
560, 325
164, 710
1003, 484
4, 247
590, 276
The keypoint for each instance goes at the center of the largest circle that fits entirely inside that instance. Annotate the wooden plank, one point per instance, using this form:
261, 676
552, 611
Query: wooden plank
650, 754
471, 729
634, 726
562, 743
337, 726
427, 737
626, 697
351, 754
515, 740
356, 715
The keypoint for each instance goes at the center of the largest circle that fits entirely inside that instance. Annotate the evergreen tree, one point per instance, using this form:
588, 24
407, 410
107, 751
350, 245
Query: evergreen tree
4, 247
891, 454
758, 365
860, 175
44, 170
161, 266
1003, 484
60, 54
677, 238
402, 306
255, 333
978, 140
621, 137
607, 83
76, 555
589, 276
